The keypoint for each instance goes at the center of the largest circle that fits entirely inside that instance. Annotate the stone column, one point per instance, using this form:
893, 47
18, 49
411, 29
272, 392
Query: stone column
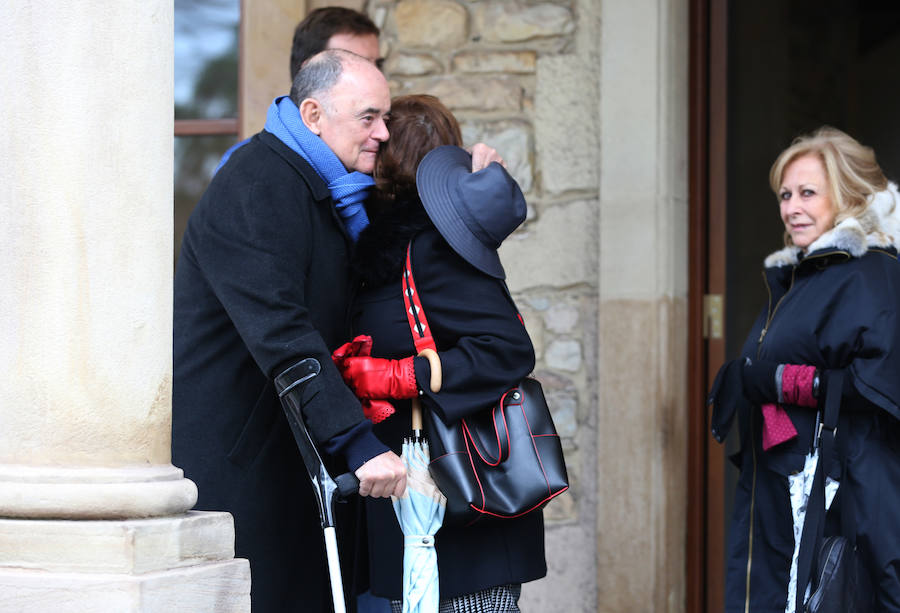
642, 424
94, 515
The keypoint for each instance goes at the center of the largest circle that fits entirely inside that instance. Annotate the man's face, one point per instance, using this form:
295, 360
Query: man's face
352, 122
365, 45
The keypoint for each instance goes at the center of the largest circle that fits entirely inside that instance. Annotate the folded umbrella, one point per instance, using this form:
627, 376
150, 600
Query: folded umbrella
800, 485
420, 512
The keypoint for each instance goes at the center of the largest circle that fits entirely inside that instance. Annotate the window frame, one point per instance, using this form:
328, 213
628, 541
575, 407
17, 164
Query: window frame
223, 126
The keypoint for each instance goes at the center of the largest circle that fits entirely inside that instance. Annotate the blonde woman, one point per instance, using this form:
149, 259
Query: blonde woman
834, 294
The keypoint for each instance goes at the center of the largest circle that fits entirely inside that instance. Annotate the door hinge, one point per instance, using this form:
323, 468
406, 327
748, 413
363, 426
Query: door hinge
713, 315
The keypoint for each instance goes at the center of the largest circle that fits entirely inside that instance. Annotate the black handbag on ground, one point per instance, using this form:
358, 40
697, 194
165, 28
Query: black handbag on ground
838, 580
507, 460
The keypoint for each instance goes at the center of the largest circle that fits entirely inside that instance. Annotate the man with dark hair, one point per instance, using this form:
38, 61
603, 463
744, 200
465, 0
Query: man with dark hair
334, 27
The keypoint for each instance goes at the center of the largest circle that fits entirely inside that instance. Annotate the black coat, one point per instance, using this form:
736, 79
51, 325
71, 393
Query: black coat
263, 280
835, 308
484, 349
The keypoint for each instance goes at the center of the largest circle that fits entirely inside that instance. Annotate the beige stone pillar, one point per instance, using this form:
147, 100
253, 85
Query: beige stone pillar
85, 323
642, 423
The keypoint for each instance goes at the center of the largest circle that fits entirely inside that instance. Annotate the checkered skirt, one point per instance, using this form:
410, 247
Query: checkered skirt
500, 599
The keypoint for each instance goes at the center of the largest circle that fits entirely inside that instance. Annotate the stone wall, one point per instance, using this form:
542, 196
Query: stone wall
590, 115
507, 71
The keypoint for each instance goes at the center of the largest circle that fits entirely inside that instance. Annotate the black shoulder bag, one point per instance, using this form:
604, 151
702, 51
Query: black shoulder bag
505, 461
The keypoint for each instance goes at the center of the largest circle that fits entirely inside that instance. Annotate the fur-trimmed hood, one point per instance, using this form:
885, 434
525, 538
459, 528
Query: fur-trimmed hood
878, 226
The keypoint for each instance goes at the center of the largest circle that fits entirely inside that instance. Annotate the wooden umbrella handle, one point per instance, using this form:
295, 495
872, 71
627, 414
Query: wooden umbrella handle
435, 362
435, 384
416, 415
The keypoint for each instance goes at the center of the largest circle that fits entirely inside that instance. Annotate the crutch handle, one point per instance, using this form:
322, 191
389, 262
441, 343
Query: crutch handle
347, 485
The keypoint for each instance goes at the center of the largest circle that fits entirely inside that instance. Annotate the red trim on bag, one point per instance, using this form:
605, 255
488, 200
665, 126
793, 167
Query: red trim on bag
520, 401
467, 434
536, 452
500, 455
475, 472
535, 507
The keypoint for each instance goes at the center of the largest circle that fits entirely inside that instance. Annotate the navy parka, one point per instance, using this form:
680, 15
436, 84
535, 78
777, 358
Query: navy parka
263, 281
835, 308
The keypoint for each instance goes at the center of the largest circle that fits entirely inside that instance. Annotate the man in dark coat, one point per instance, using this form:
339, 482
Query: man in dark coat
263, 281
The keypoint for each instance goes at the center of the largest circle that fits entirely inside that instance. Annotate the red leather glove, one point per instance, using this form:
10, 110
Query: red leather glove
361, 345
379, 378
375, 409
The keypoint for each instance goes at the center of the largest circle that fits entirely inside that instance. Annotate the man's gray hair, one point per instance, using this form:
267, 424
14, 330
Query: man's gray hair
318, 75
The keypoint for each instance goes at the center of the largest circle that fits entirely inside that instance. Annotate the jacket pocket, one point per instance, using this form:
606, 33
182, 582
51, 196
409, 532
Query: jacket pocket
256, 429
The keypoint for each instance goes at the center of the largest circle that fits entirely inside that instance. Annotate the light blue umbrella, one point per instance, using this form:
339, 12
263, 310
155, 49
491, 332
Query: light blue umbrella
420, 512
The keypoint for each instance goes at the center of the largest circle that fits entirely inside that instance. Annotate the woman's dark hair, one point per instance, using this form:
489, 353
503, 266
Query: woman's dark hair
418, 123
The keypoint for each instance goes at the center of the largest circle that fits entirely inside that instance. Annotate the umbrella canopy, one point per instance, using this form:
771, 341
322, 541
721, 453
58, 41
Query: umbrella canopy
420, 512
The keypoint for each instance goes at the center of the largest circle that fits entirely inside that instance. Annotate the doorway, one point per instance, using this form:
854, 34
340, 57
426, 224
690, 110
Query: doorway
763, 73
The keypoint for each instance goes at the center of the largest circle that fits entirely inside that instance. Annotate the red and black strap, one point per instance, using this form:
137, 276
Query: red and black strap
418, 324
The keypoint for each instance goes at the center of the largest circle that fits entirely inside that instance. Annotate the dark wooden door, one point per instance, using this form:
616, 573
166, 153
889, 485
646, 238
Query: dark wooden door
708, 189
762, 73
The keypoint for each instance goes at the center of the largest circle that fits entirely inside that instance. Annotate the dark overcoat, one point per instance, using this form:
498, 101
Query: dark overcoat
484, 349
263, 280
835, 308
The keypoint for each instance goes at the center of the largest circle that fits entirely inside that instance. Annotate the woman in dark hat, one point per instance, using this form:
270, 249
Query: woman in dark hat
455, 219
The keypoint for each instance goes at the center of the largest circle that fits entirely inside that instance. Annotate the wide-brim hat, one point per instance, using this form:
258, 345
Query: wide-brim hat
473, 211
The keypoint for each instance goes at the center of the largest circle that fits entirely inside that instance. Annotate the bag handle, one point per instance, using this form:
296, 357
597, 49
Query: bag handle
501, 430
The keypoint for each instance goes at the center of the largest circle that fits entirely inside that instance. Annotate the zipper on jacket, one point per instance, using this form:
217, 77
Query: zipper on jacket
762, 334
772, 311
752, 513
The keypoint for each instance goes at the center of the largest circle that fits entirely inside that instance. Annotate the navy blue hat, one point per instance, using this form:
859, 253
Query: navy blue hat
473, 211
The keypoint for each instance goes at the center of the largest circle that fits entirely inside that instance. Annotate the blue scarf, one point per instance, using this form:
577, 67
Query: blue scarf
348, 189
